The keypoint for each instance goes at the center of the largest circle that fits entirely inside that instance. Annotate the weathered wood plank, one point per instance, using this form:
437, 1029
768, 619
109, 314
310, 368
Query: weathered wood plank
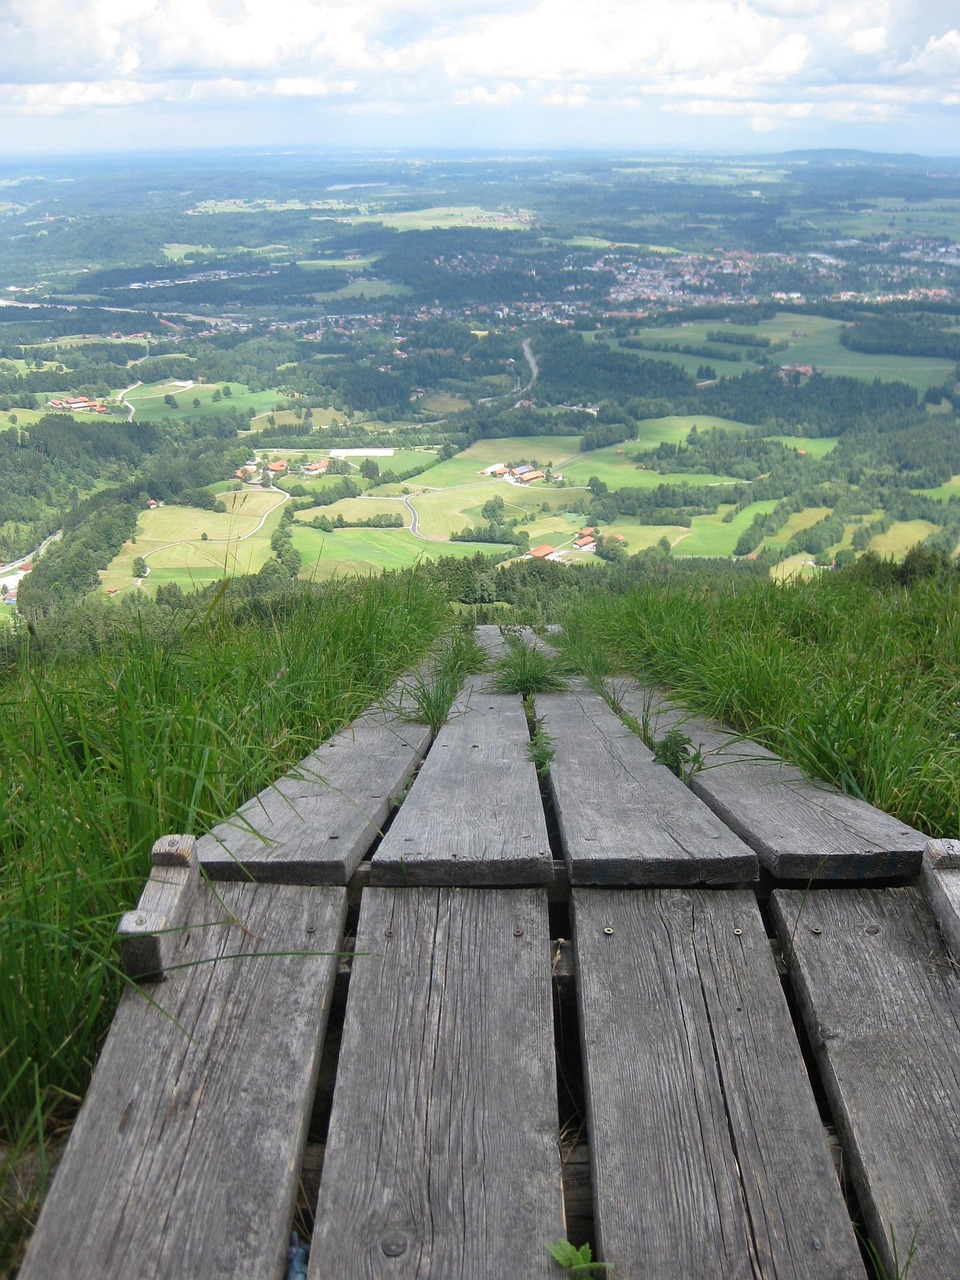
184, 1159
474, 815
801, 829
940, 881
147, 936
442, 1154
315, 824
622, 818
881, 1003
708, 1154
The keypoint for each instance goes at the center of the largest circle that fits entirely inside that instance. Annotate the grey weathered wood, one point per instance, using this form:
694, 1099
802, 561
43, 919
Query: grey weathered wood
708, 1154
622, 818
442, 1155
147, 936
315, 824
474, 815
801, 829
940, 881
881, 1003
184, 1159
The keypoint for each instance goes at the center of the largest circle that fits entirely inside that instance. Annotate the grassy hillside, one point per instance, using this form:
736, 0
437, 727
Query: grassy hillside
127, 725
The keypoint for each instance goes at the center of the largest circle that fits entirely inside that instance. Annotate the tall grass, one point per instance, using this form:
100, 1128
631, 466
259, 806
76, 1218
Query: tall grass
858, 684
99, 757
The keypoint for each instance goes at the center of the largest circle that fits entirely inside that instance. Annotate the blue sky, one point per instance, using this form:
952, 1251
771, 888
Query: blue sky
723, 75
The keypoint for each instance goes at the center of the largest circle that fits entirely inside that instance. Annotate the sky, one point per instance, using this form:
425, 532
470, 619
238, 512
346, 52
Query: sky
702, 75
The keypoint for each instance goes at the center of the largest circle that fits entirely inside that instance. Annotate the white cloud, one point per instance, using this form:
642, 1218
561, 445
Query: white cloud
757, 59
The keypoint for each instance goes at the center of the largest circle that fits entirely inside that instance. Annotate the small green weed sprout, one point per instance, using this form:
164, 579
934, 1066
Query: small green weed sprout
901, 1267
540, 748
675, 750
576, 1261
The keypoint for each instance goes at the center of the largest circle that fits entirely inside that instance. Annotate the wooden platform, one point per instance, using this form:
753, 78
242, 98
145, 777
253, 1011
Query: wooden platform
565, 1000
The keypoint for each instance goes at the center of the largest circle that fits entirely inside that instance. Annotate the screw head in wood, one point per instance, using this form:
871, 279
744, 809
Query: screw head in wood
608, 930
737, 933
815, 928
394, 1245
872, 929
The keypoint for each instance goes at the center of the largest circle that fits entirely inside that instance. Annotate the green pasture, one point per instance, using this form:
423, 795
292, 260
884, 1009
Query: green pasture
944, 491
366, 551
675, 428
366, 287
617, 469
170, 538
357, 509
796, 523
463, 468
177, 252
816, 447
901, 536
810, 340
890, 218
361, 263
444, 217
442, 402
709, 536
148, 400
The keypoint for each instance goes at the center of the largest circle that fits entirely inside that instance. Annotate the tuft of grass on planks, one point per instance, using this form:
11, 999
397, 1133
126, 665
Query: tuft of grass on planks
528, 669
427, 695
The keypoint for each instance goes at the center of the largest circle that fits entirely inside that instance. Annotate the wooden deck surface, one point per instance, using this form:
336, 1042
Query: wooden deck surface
604, 971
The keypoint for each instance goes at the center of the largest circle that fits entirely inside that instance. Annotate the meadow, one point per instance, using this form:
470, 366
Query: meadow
171, 540
809, 339
853, 681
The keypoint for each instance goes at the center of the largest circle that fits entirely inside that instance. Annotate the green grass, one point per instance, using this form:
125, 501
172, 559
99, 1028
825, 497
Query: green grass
367, 551
148, 400
811, 340
854, 683
168, 728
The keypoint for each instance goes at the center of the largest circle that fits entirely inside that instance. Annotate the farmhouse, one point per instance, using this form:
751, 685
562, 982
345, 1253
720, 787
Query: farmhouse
277, 468
585, 542
530, 476
541, 553
524, 469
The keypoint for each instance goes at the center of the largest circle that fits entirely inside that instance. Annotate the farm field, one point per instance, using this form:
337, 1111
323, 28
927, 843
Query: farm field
366, 551
799, 521
901, 536
944, 491
810, 340
444, 217
814, 446
616, 468
464, 468
171, 541
148, 399
709, 536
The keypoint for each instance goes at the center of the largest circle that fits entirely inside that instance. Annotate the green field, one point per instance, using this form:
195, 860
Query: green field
444, 217
148, 400
616, 467
814, 446
810, 340
709, 536
901, 536
365, 551
944, 491
170, 539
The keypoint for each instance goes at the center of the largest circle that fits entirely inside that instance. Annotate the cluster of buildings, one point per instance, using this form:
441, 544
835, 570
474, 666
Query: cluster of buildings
76, 404
525, 473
